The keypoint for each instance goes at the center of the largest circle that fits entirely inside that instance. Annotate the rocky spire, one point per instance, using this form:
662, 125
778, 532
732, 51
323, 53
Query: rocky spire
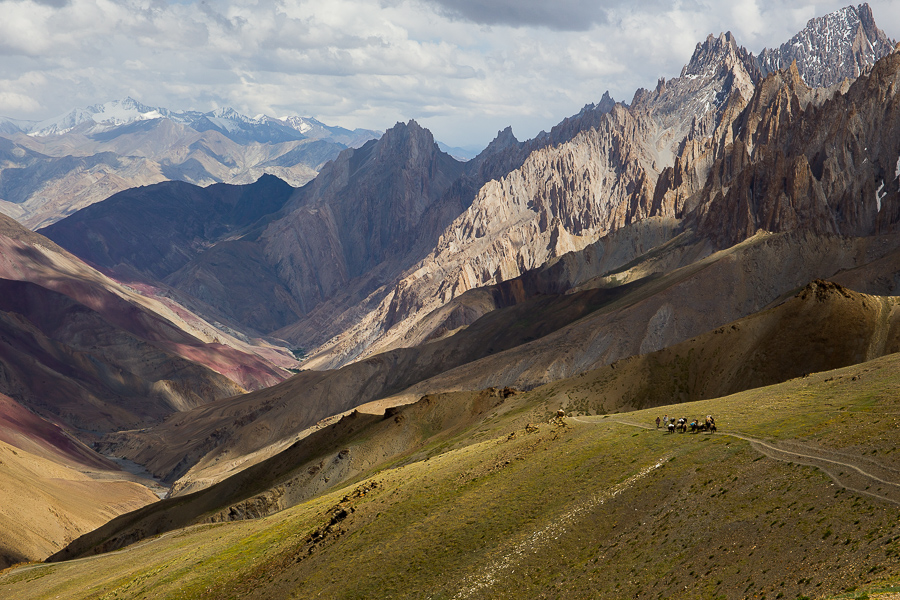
840, 45
713, 54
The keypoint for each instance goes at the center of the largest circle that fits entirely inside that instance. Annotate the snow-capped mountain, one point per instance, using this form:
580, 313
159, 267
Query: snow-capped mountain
51, 168
101, 118
107, 115
839, 45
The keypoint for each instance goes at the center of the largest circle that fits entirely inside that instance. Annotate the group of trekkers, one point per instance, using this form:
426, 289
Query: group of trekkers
672, 424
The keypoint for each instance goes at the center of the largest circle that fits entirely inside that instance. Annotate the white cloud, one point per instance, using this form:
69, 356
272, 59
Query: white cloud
462, 69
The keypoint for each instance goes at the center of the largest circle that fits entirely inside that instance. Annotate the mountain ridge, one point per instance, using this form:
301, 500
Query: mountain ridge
75, 161
101, 118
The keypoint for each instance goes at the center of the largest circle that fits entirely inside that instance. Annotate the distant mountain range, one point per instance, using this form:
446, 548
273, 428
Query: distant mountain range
49, 169
105, 120
358, 260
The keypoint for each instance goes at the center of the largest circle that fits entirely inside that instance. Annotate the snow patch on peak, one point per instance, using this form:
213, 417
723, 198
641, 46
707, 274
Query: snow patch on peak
301, 124
151, 115
104, 117
228, 114
830, 48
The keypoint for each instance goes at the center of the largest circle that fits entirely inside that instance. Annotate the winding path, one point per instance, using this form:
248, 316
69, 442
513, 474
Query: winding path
850, 471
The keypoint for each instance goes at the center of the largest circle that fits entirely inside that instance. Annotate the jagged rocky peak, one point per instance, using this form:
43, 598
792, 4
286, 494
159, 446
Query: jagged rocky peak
832, 170
691, 105
505, 139
717, 69
778, 101
840, 45
605, 105
715, 54
408, 140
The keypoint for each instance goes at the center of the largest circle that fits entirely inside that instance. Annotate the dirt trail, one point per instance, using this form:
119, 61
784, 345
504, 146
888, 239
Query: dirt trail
850, 471
497, 571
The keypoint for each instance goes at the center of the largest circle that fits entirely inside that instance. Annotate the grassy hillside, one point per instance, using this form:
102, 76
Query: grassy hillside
824, 326
529, 343
514, 504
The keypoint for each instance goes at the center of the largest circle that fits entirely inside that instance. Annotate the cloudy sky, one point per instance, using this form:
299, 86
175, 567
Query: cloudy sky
463, 68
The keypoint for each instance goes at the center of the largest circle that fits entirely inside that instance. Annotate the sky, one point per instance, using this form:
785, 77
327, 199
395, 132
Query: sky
463, 68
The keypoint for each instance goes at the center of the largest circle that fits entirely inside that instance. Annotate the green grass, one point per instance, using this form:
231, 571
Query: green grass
595, 509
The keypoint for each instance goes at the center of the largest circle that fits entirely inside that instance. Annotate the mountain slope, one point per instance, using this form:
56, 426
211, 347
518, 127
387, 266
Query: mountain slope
515, 346
57, 301
68, 362
824, 327
585, 506
200, 241
44, 505
81, 355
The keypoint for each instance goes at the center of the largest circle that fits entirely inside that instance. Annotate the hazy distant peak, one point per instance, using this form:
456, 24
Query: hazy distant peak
504, 139
406, 139
115, 112
261, 128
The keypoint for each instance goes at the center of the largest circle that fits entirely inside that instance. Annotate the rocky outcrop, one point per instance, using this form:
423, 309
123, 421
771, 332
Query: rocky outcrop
826, 167
562, 198
838, 46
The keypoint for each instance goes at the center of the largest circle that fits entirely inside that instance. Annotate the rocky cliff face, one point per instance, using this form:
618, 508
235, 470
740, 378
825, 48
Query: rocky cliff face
563, 197
827, 167
361, 214
841, 45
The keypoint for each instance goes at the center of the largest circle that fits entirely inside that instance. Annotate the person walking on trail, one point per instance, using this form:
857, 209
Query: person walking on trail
666, 420
657, 422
